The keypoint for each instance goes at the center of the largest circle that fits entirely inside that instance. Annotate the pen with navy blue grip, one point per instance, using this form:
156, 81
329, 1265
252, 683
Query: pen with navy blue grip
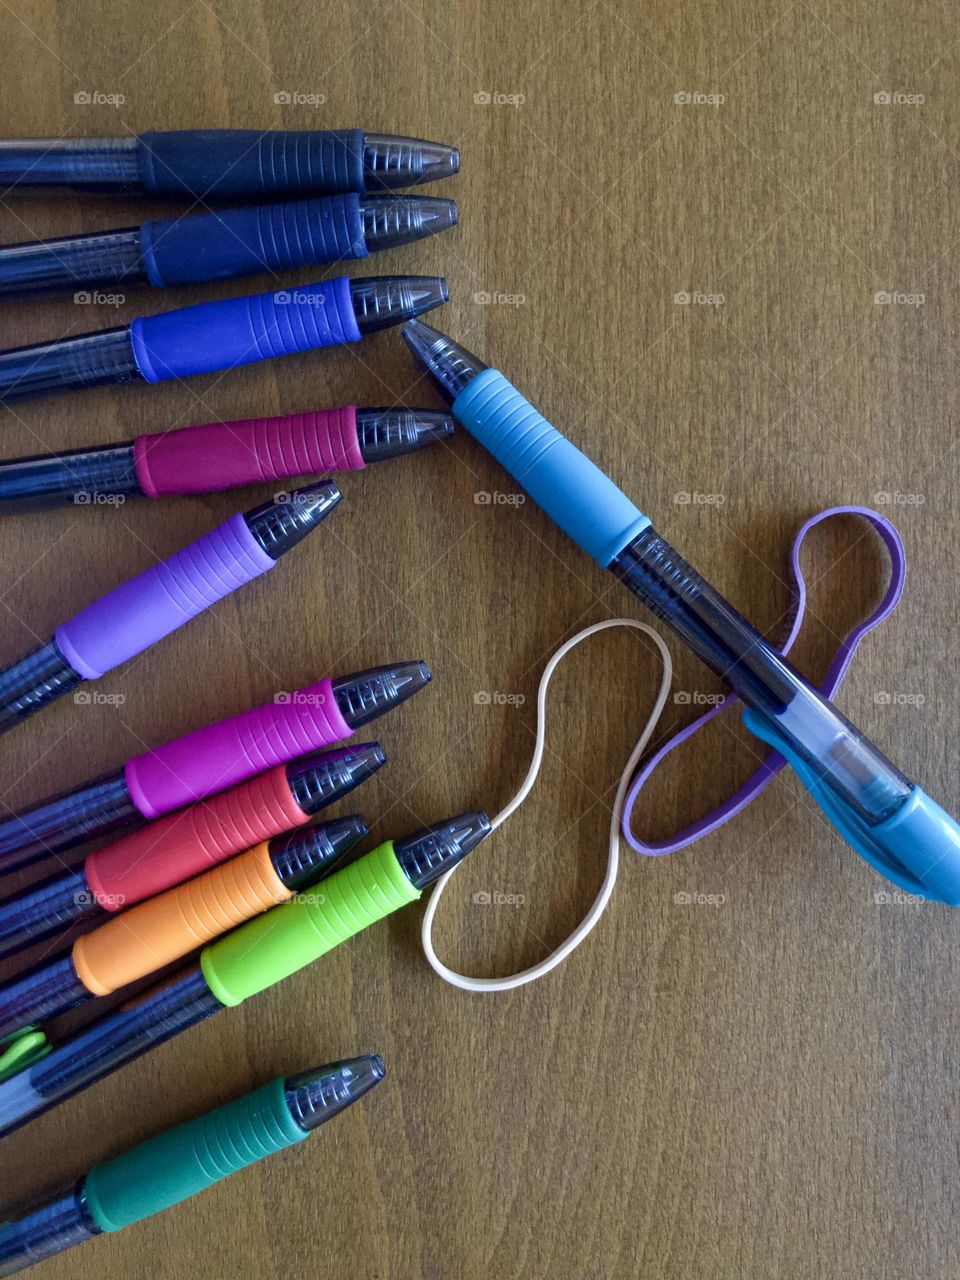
221, 244
886, 818
218, 163
174, 1165
219, 335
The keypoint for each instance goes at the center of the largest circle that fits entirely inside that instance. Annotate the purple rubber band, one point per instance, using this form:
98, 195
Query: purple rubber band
831, 682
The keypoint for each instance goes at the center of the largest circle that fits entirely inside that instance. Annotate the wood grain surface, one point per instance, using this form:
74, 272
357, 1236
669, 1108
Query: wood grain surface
761, 1088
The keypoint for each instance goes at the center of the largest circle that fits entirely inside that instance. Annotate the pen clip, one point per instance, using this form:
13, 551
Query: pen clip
917, 848
22, 1050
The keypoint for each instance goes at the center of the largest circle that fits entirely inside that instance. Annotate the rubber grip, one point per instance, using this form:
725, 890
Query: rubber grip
237, 331
177, 1164
277, 944
221, 755
230, 162
173, 924
186, 843
142, 611
264, 237
226, 455
570, 488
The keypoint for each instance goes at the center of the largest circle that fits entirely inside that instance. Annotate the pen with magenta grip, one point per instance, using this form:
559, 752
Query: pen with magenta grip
244, 962
224, 243
217, 163
208, 760
219, 455
174, 1165
219, 335
132, 944
143, 610
184, 844
887, 819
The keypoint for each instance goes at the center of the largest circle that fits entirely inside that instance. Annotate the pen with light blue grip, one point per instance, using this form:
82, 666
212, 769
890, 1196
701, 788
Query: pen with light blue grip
889, 820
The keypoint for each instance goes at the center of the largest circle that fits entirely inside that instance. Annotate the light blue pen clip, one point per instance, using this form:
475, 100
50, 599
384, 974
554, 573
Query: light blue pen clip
891, 822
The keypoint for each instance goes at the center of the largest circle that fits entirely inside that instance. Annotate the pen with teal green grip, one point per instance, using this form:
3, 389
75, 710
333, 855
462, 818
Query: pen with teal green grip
167, 1169
242, 963
889, 820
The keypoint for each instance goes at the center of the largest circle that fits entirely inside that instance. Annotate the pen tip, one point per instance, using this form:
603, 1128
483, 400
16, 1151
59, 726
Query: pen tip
316, 1096
381, 301
450, 365
288, 517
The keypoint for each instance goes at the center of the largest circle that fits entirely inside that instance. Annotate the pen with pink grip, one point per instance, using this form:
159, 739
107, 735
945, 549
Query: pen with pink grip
138, 613
218, 455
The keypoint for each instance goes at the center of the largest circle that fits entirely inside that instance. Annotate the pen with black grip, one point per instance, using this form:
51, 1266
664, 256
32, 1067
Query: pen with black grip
243, 963
218, 455
222, 244
209, 760
184, 844
143, 610
218, 335
163, 1171
218, 163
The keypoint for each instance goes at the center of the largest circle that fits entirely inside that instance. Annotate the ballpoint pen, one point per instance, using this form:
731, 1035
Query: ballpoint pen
219, 335
208, 760
213, 163
138, 942
888, 820
218, 455
143, 610
224, 243
255, 956
171, 1167
184, 844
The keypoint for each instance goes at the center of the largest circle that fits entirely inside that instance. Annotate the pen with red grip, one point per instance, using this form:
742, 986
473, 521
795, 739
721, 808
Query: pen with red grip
218, 455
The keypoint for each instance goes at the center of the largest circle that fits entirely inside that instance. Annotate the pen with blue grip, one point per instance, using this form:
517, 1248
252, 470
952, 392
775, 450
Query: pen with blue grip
217, 163
219, 335
224, 243
169, 1168
889, 820
253, 957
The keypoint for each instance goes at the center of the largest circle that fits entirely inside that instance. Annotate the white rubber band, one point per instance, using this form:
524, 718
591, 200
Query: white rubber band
613, 857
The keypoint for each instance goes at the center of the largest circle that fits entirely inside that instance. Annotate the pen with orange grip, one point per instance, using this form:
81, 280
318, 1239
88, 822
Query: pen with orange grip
165, 928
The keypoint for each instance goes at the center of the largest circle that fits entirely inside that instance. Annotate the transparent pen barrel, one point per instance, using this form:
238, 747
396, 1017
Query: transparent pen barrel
70, 364
73, 262
736, 651
57, 1226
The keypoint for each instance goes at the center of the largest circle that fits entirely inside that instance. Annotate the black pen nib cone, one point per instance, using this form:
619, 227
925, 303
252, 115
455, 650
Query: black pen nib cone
302, 857
428, 853
382, 301
390, 161
393, 220
319, 779
364, 696
318, 1095
450, 365
388, 433
286, 520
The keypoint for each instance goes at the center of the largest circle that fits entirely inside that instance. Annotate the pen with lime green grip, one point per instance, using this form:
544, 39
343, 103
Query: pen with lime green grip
171, 1167
244, 962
